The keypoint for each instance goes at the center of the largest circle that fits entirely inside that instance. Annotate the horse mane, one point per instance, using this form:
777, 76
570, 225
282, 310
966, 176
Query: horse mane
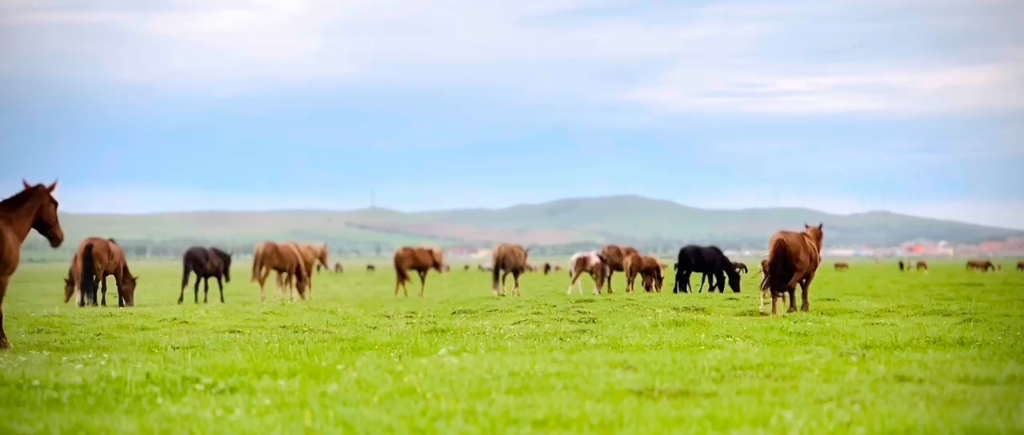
224, 256
112, 241
19, 199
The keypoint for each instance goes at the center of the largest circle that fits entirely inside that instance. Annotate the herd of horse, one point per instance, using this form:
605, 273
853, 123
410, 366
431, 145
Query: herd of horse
793, 260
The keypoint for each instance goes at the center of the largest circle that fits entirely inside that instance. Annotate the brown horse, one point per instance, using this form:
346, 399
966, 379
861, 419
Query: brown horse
793, 258
371, 268
590, 263
922, 266
206, 263
419, 259
645, 266
95, 260
547, 268
34, 208
312, 256
980, 265
1020, 266
508, 258
841, 266
615, 255
283, 259
740, 267
465, 268
338, 268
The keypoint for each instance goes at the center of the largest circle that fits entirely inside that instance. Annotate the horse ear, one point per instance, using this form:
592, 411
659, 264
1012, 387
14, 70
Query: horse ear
806, 227
820, 224
24, 182
135, 278
53, 187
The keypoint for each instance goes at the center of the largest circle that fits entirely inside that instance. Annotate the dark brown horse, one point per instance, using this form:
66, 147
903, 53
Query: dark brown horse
419, 259
614, 256
96, 259
980, 265
793, 258
1020, 266
206, 263
508, 258
921, 265
465, 268
590, 263
283, 259
740, 267
338, 268
841, 266
371, 268
34, 208
547, 268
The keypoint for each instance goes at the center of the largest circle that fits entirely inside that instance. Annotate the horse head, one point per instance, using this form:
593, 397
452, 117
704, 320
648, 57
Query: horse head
127, 289
45, 220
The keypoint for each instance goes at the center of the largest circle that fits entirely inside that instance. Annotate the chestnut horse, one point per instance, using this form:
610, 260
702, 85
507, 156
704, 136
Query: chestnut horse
841, 266
206, 263
614, 255
587, 262
419, 259
793, 258
34, 208
283, 259
313, 256
922, 266
645, 266
508, 258
95, 260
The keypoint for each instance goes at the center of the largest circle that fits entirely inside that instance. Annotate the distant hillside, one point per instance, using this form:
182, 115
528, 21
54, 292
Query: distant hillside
615, 219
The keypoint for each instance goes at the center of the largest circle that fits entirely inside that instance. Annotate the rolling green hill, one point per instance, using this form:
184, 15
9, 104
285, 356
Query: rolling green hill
614, 219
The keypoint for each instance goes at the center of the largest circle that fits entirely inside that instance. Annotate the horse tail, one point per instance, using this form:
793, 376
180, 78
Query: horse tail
495, 271
88, 271
186, 271
778, 261
257, 263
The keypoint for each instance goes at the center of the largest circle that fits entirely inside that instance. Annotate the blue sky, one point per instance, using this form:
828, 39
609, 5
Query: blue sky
843, 106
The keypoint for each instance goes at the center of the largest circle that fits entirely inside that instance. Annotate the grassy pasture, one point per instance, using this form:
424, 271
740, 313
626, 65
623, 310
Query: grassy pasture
880, 351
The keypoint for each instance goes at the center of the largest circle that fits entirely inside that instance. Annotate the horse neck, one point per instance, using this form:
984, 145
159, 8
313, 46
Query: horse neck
19, 212
124, 268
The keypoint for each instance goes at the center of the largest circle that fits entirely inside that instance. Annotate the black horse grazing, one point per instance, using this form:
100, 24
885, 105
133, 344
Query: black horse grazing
709, 261
206, 263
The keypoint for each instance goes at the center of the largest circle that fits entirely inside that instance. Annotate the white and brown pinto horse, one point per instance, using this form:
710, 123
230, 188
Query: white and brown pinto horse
591, 262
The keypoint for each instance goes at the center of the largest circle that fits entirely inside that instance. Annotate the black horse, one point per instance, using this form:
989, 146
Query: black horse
206, 263
709, 261
901, 266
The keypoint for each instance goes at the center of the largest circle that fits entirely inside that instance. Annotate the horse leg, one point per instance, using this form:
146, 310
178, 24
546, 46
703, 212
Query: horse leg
575, 278
515, 278
503, 276
703, 277
184, 283
4, 344
423, 283
103, 284
120, 300
805, 288
398, 282
220, 286
206, 290
611, 273
195, 290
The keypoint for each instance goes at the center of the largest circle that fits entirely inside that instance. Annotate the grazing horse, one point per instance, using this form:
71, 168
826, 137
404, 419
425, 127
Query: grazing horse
591, 263
206, 263
645, 266
710, 262
793, 258
980, 265
33, 208
465, 268
547, 268
95, 260
419, 259
740, 267
338, 268
922, 266
841, 266
614, 255
1020, 266
312, 256
508, 258
902, 265
284, 259
371, 268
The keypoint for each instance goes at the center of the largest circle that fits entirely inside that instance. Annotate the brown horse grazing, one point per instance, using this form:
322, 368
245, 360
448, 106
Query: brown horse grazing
95, 260
547, 268
508, 258
465, 268
419, 259
34, 208
740, 267
922, 266
590, 263
558, 268
841, 266
338, 268
980, 265
283, 259
615, 255
312, 256
1020, 266
371, 268
647, 267
793, 258
206, 263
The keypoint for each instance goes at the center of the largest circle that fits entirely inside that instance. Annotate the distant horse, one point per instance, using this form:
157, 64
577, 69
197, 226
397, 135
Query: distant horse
740, 267
95, 260
371, 268
841, 266
614, 255
206, 263
793, 258
587, 262
647, 268
283, 259
547, 268
1020, 266
921, 265
338, 268
447, 268
902, 265
508, 258
419, 259
980, 265
709, 261
33, 208
465, 268
558, 268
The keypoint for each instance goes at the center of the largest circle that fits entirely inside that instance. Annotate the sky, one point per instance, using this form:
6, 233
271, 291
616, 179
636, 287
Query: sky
910, 106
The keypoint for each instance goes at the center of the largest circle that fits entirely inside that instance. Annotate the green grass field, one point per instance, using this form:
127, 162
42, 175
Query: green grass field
880, 352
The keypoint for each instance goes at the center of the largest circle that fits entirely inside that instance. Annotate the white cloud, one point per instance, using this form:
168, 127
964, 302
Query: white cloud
730, 57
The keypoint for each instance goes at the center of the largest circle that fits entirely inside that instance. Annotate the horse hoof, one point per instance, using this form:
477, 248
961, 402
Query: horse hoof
4, 344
